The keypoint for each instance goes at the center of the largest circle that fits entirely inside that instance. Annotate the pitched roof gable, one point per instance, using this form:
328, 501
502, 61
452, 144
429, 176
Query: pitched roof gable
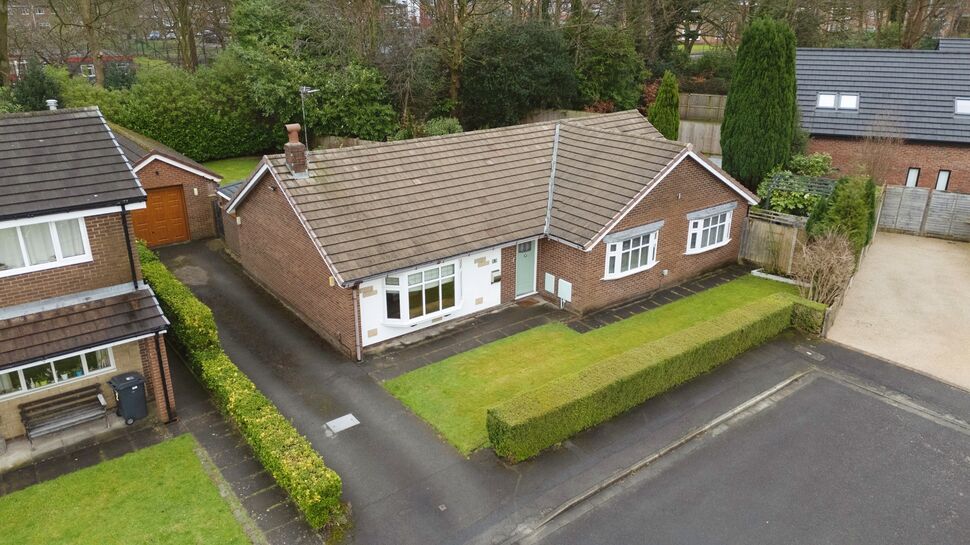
138, 148
61, 160
383, 207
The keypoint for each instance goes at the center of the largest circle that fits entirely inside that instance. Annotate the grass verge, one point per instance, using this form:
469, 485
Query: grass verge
233, 169
160, 494
454, 394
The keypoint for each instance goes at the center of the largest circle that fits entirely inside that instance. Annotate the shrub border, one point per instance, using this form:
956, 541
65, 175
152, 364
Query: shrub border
287, 456
525, 425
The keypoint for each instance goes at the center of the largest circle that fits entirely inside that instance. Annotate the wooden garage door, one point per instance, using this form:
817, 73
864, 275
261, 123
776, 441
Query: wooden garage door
163, 220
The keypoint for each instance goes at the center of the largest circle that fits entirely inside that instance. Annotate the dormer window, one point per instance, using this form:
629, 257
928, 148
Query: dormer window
962, 106
837, 101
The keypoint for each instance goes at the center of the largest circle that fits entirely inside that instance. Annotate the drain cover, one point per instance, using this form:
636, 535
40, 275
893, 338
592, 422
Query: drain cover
810, 353
338, 425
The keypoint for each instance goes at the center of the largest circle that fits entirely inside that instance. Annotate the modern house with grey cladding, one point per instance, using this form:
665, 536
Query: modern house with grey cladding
73, 308
908, 110
405, 235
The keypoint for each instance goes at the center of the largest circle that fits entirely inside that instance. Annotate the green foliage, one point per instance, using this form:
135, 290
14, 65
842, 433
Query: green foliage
795, 202
36, 87
522, 427
512, 69
760, 115
816, 164
7, 102
709, 73
664, 113
287, 456
442, 125
118, 75
352, 102
608, 67
849, 210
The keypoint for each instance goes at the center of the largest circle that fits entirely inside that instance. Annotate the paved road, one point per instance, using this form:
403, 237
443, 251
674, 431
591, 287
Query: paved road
406, 486
823, 464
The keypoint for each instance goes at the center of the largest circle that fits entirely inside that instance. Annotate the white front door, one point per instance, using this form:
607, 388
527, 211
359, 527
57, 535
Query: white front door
525, 268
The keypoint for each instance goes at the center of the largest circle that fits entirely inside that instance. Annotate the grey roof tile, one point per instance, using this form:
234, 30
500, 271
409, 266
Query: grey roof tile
61, 160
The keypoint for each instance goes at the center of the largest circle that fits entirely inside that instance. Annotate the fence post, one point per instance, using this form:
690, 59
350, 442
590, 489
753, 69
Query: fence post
794, 242
926, 212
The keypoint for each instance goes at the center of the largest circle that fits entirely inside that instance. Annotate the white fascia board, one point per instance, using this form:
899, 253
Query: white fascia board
71, 215
168, 160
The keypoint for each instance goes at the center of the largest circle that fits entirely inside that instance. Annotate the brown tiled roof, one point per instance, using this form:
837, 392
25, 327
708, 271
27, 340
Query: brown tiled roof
383, 207
54, 161
48, 333
137, 146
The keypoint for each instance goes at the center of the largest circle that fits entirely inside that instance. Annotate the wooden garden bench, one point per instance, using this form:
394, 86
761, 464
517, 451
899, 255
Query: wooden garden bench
62, 411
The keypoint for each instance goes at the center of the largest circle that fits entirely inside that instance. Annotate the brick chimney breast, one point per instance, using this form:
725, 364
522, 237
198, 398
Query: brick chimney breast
295, 152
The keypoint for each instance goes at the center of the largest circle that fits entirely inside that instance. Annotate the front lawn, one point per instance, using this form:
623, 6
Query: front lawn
453, 394
234, 169
160, 494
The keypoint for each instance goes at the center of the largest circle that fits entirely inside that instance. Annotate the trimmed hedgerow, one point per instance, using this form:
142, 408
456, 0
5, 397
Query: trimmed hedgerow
522, 427
287, 456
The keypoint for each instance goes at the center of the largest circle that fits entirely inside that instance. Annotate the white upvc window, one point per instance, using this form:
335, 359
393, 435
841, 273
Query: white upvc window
837, 101
40, 245
420, 294
53, 372
631, 255
961, 106
709, 232
912, 177
942, 180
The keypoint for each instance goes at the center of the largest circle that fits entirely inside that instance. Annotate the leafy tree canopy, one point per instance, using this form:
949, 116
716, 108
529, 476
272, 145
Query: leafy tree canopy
513, 68
36, 87
608, 67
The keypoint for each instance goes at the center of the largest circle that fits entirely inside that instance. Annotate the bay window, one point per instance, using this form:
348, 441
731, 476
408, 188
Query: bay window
632, 251
57, 371
36, 246
709, 228
421, 293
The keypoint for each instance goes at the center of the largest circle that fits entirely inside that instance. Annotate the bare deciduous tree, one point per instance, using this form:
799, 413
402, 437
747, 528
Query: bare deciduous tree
824, 267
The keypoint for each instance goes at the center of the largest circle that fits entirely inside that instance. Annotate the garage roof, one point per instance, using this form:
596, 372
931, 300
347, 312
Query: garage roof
61, 160
138, 147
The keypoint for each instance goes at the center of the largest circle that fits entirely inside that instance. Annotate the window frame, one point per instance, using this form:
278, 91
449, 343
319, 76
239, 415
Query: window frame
839, 105
60, 260
837, 101
49, 362
956, 105
615, 250
695, 227
915, 181
947, 184
403, 289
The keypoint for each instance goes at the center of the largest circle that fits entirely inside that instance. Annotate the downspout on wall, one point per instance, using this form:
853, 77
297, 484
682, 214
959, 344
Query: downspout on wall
161, 371
355, 293
131, 254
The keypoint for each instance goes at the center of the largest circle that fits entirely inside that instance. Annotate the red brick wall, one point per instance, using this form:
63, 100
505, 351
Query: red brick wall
230, 231
109, 267
849, 153
153, 376
688, 188
198, 207
508, 274
276, 250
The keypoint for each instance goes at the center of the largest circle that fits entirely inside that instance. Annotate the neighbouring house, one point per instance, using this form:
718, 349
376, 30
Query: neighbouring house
373, 242
73, 308
903, 115
181, 192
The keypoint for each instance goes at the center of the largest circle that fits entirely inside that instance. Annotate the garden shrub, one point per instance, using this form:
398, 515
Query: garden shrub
664, 113
849, 210
287, 456
523, 426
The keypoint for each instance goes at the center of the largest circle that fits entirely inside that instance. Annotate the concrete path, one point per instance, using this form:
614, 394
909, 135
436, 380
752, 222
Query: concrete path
407, 486
910, 303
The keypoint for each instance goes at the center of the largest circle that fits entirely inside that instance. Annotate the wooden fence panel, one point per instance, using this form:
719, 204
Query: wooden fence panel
921, 211
771, 245
705, 135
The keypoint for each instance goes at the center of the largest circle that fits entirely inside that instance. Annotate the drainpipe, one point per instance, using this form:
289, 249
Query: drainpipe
357, 333
131, 254
161, 371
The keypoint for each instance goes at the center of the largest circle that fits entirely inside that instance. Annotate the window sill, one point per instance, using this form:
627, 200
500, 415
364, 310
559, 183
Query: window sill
421, 320
46, 266
631, 272
707, 248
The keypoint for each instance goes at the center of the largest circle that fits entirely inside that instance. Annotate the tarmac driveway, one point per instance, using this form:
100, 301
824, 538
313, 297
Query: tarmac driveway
408, 487
910, 303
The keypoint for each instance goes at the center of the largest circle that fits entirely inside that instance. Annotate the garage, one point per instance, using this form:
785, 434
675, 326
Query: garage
164, 219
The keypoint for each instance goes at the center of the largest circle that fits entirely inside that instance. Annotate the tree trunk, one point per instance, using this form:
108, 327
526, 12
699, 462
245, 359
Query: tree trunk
188, 55
86, 9
4, 59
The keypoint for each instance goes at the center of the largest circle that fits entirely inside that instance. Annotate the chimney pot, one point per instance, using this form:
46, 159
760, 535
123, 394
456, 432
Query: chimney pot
293, 131
51, 104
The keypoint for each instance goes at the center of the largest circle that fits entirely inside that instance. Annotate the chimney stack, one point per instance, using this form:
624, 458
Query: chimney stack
295, 151
51, 104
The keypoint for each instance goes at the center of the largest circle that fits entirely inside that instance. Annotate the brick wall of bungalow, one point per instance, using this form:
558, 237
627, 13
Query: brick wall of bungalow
276, 251
230, 231
893, 161
687, 188
197, 191
109, 266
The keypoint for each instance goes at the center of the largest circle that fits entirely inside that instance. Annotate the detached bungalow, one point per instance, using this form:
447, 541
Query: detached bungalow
374, 242
919, 97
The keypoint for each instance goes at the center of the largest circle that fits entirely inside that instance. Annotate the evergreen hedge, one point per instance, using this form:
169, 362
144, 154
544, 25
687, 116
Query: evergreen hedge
287, 456
522, 427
